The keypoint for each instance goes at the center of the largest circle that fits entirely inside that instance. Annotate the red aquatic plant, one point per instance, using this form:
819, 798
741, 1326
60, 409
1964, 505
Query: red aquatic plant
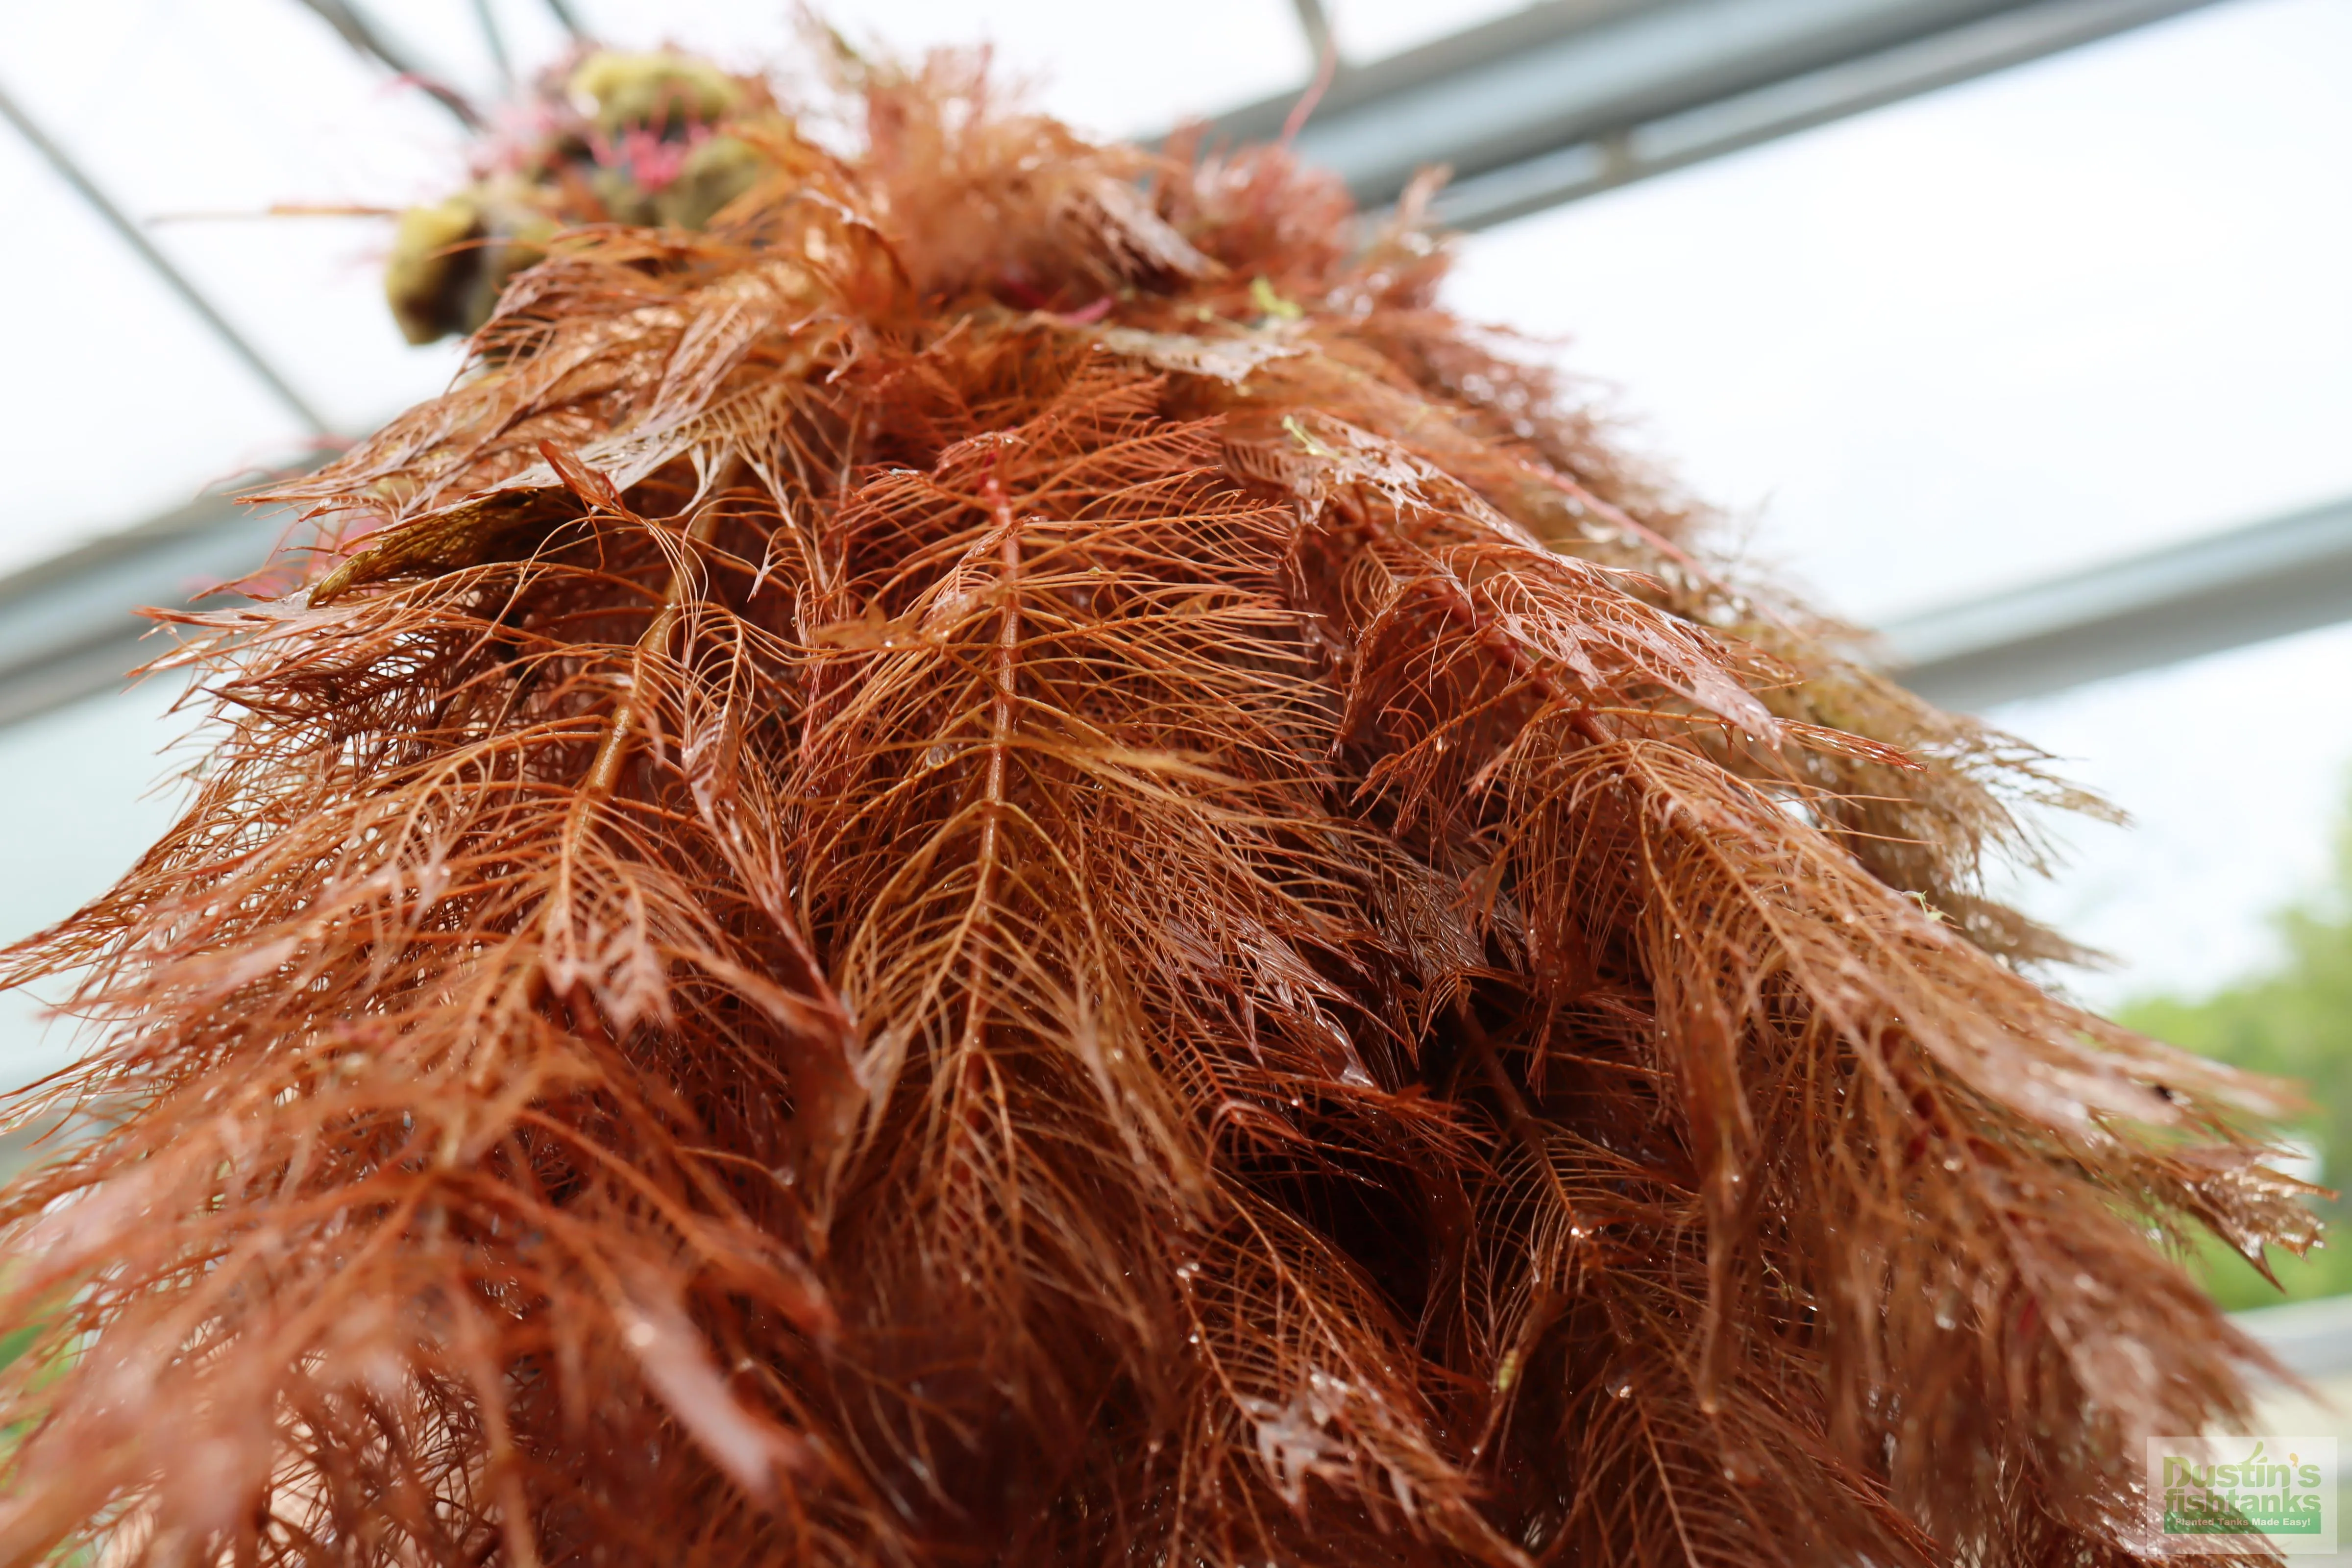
1007, 860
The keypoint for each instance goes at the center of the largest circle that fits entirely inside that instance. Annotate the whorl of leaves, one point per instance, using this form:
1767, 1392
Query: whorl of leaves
989, 869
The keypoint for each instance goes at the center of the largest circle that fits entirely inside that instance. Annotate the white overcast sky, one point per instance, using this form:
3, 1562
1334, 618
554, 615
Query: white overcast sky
2019, 326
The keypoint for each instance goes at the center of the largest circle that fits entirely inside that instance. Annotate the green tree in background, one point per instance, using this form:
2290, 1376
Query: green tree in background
2294, 1020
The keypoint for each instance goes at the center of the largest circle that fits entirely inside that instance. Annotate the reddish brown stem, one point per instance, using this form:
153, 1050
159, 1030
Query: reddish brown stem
604, 774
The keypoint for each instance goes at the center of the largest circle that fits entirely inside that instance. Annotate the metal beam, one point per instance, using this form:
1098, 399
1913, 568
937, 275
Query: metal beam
66, 630
353, 26
1568, 98
495, 41
2223, 591
567, 19
1315, 25
130, 233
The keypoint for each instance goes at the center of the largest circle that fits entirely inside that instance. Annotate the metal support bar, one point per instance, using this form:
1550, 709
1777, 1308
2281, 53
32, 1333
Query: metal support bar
495, 42
2224, 591
1783, 108
66, 630
1315, 21
363, 35
1570, 97
160, 264
567, 19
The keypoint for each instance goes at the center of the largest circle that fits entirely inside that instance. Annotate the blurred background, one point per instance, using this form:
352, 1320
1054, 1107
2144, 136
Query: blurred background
2020, 329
